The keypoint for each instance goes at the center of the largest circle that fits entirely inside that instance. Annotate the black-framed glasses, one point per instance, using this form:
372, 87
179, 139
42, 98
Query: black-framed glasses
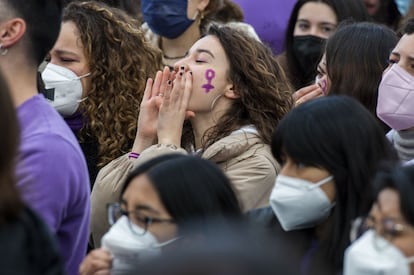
138, 223
389, 228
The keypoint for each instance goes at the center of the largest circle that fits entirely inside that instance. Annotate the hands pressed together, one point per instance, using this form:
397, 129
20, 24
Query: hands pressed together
164, 108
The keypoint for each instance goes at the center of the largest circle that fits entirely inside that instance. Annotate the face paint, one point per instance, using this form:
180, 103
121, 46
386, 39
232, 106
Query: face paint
210, 74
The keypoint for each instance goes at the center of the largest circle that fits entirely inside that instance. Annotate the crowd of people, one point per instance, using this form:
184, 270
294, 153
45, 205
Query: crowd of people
207, 137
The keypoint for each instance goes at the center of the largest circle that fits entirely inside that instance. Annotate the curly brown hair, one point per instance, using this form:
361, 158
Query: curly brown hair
120, 61
265, 94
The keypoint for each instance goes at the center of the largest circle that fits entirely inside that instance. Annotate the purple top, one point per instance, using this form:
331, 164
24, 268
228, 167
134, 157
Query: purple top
269, 18
53, 178
75, 122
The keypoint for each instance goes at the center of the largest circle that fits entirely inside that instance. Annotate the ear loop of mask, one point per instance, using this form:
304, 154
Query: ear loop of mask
80, 77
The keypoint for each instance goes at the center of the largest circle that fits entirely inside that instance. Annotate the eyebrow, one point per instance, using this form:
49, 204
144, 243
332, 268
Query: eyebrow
65, 52
141, 207
148, 208
320, 23
411, 58
321, 69
327, 24
205, 51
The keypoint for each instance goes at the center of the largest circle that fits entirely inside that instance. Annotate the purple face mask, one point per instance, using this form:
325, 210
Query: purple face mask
396, 98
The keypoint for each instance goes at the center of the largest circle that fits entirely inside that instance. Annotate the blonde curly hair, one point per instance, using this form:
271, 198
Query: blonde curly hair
120, 61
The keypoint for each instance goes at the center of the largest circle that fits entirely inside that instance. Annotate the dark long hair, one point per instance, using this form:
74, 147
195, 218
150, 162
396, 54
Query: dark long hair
356, 56
10, 202
190, 188
337, 134
349, 9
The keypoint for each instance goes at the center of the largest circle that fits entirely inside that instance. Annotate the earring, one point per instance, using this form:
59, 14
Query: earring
199, 16
4, 51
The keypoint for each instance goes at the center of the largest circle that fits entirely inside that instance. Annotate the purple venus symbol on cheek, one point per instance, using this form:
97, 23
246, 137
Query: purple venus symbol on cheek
210, 74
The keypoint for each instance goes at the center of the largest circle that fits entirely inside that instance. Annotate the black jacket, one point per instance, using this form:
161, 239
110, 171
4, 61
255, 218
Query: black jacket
27, 247
299, 247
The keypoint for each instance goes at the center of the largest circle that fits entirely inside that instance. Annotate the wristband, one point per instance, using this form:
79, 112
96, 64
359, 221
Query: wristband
133, 155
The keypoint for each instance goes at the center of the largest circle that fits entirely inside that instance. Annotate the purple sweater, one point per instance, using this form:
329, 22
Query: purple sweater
53, 178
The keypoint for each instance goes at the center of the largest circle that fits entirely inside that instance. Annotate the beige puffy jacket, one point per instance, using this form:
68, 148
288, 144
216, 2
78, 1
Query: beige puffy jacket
243, 156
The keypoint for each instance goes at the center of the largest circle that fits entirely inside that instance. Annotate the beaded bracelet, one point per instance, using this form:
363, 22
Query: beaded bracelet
133, 155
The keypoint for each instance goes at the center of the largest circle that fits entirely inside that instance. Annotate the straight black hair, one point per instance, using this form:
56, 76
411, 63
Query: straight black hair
191, 188
338, 134
43, 19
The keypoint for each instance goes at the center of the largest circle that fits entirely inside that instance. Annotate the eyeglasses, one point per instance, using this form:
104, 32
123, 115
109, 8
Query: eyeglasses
388, 228
137, 222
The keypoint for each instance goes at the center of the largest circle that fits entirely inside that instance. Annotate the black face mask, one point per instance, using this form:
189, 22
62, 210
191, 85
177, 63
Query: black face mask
308, 50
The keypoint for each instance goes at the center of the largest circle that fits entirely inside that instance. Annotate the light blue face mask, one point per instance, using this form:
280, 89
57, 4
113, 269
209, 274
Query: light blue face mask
167, 18
403, 6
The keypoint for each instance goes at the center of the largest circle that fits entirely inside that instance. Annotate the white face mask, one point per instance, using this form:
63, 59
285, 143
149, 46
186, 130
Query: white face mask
298, 203
128, 249
371, 254
63, 88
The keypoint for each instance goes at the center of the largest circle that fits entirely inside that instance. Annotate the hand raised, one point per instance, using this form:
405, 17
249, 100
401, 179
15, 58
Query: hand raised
307, 93
174, 109
148, 115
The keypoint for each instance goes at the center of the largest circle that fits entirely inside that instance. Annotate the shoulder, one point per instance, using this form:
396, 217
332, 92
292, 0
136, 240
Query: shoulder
50, 163
265, 219
242, 146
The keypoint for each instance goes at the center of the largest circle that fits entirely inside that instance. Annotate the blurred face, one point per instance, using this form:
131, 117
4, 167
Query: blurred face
322, 78
68, 52
313, 174
372, 6
403, 53
142, 201
317, 19
389, 222
208, 62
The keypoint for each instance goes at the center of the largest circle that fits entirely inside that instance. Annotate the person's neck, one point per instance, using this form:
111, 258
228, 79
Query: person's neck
206, 120
178, 47
321, 230
21, 79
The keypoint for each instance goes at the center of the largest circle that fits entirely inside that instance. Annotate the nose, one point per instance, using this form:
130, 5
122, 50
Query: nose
314, 31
